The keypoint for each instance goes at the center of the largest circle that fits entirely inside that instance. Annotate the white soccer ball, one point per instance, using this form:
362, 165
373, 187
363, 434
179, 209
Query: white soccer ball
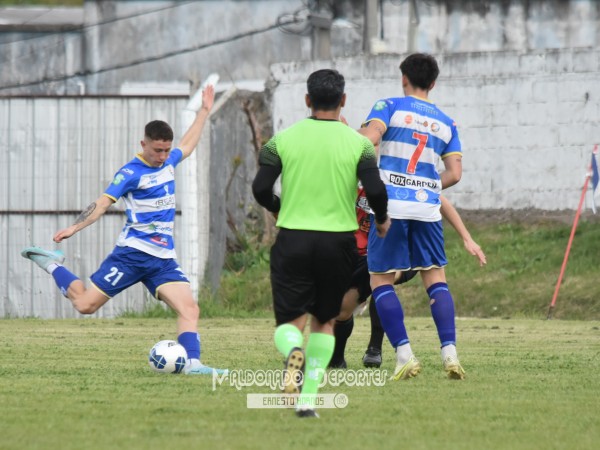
167, 357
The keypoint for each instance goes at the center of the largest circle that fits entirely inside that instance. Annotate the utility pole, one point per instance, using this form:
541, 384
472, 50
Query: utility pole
321, 19
370, 27
413, 25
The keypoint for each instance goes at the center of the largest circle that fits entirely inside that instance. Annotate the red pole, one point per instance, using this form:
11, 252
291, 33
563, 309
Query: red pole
564, 264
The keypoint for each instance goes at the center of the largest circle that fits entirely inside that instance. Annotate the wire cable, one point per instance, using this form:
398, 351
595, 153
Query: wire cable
151, 58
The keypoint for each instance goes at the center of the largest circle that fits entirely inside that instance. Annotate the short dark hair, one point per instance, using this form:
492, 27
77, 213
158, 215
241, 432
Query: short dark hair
158, 130
421, 70
325, 89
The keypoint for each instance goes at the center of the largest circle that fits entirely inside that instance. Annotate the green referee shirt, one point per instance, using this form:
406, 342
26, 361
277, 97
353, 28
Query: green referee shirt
319, 160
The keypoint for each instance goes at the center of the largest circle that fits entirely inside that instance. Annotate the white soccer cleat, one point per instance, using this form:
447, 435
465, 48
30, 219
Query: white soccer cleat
43, 258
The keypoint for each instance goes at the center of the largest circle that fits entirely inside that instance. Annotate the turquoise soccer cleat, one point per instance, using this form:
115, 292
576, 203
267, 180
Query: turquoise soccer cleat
43, 258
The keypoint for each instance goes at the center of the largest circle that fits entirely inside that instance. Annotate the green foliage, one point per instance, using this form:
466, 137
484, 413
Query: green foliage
524, 262
72, 384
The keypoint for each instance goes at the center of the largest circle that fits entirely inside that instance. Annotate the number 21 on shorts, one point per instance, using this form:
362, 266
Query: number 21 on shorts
414, 159
113, 276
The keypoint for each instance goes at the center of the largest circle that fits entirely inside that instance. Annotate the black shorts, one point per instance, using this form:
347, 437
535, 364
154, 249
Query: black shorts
361, 280
310, 273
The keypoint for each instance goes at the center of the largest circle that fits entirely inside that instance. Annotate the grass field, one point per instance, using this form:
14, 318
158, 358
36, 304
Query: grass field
73, 384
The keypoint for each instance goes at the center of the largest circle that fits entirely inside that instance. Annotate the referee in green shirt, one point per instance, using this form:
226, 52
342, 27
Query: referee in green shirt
320, 160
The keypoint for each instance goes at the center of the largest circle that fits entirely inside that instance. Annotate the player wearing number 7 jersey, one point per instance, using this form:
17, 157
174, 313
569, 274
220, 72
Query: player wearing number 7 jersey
145, 251
413, 135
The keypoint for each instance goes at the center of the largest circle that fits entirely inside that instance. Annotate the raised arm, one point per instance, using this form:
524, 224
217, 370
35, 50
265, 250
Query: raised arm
452, 216
86, 218
190, 139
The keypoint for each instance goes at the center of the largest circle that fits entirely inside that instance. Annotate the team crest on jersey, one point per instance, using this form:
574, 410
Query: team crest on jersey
379, 105
435, 127
422, 195
117, 180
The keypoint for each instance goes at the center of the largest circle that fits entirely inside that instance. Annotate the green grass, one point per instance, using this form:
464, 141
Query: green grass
72, 384
524, 261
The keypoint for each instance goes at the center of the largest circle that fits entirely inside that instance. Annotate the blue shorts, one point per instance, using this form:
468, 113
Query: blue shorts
409, 244
126, 266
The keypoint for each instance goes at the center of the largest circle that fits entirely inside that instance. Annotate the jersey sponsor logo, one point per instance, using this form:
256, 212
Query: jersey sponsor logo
160, 228
408, 119
117, 180
399, 180
362, 203
168, 201
422, 195
160, 241
379, 105
127, 170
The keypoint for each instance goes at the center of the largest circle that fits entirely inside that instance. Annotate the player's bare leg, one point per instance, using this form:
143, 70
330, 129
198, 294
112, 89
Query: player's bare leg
179, 297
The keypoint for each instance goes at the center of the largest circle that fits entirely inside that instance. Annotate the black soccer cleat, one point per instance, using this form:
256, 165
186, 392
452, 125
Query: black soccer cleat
306, 413
372, 357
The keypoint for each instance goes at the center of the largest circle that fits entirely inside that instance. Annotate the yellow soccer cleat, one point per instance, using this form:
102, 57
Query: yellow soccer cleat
410, 369
453, 369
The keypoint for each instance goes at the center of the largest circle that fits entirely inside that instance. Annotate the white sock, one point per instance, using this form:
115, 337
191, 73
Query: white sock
403, 353
449, 350
52, 267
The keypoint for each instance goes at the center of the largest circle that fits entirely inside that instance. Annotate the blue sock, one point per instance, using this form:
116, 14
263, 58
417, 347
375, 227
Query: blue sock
191, 343
442, 311
391, 314
63, 278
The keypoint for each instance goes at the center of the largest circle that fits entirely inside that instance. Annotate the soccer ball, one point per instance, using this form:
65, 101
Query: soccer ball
167, 357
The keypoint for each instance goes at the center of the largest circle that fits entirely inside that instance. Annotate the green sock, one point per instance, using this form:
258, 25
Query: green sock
318, 354
287, 336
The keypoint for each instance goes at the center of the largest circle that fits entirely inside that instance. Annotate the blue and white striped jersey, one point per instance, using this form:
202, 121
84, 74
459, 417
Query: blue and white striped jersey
417, 135
149, 196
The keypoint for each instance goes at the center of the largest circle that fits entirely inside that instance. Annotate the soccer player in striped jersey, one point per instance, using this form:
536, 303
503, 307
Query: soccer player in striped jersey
360, 288
145, 250
413, 136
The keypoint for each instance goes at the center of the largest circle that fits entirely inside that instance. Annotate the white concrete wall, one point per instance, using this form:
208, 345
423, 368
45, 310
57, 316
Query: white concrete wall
527, 121
165, 42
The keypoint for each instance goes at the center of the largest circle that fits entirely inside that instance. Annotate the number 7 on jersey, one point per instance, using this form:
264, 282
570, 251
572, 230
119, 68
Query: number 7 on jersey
414, 159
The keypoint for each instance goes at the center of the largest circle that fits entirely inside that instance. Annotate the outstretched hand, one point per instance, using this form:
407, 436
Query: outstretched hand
64, 234
474, 249
208, 97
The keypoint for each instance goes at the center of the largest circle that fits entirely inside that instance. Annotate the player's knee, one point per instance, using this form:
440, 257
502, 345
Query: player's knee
190, 311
